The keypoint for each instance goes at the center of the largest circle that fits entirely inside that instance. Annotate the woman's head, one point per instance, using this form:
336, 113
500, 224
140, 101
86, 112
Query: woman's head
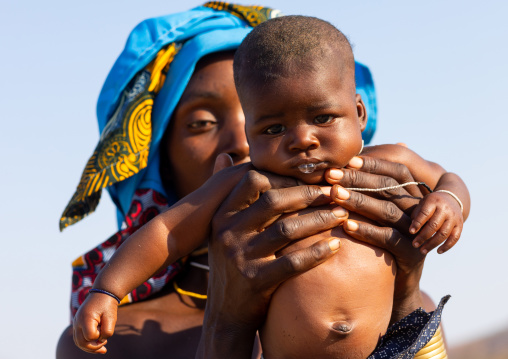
207, 121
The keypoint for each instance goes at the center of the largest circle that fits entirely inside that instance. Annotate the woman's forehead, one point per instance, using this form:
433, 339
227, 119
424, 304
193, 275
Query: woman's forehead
213, 74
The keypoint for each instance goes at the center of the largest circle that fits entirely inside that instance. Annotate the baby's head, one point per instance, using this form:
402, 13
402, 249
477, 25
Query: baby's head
296, 82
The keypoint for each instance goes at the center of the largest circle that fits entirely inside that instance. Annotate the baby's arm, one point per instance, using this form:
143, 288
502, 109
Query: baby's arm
439, 217
171, 235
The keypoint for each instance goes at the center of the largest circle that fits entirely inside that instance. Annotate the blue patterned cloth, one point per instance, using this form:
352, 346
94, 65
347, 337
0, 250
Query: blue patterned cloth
410, 334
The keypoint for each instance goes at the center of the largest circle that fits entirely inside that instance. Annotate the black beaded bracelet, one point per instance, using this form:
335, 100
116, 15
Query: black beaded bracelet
94, 290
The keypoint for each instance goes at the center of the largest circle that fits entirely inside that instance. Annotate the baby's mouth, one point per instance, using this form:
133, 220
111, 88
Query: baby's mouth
311, 167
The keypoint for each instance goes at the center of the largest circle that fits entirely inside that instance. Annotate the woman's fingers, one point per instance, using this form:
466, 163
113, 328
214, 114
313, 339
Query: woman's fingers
393, 241
399, 172
262, 199
244, 269
383, 237
384, 212
299, 261
357, 179
222, 161
305, 224
250, 188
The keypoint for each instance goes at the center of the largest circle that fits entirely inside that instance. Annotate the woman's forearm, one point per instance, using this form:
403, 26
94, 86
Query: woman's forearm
403, 305
222, 339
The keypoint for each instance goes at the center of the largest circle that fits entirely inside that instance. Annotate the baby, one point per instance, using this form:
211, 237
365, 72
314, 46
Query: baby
295, 80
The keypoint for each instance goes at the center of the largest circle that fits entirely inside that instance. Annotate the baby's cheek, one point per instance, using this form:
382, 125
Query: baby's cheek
266, 162
266, 156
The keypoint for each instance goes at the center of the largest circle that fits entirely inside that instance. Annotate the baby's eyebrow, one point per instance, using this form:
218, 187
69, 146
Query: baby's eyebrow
322, 106
269, 117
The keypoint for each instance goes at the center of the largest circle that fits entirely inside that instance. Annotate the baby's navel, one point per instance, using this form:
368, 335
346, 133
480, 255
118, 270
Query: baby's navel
342, 327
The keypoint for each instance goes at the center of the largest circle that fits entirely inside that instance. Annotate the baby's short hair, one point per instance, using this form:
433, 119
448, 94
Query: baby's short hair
281, 45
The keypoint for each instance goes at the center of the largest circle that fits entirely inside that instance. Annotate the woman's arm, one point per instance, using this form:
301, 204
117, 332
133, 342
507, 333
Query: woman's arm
391, 211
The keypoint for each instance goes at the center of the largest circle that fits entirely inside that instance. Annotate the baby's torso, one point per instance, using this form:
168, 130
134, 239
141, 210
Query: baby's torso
338, 309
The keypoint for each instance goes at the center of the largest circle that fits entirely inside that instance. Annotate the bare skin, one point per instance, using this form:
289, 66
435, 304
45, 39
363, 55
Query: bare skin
135, 316
229, 328
319, 123
337, 320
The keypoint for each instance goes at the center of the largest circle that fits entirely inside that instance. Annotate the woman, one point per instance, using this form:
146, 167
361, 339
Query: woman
206, 120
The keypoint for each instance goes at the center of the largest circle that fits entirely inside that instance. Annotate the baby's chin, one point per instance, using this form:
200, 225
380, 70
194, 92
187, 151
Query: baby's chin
316, 177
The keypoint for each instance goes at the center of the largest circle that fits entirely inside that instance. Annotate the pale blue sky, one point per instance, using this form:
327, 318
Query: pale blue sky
440, 73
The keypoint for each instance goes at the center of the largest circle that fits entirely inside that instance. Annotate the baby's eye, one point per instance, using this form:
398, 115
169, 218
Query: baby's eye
275, 129
323, 119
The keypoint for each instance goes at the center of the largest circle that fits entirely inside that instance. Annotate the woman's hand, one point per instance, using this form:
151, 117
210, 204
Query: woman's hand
392, 210
389, 207
244, 270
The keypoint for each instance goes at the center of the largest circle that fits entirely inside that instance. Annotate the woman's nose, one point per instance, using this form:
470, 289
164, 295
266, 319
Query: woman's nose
302, 138
234, 141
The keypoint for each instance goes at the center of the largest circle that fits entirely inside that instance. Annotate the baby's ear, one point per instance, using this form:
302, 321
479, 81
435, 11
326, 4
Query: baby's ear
362, 112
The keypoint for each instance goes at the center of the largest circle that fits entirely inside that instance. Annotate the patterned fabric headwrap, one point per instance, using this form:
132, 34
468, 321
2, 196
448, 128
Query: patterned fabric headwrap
157, 62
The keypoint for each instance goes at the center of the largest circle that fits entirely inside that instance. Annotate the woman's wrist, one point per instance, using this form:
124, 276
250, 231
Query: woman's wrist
222, 338
406, 303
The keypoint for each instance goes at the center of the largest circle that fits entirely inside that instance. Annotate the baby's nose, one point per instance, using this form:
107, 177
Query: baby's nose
303, 139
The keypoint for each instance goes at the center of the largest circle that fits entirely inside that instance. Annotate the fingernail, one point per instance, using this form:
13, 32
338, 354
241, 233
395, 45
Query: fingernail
412, 230
440, 251
334, 244
342, 193
416, 244
424, 251
326, 190
336, 174
339, 212
356, 162
351, 226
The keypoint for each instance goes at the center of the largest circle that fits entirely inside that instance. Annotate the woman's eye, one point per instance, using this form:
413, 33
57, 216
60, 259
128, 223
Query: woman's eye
323, 119
275, 129
201, 124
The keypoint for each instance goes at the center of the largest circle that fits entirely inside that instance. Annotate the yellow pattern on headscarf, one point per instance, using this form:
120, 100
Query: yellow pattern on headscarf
125, 141
254, 15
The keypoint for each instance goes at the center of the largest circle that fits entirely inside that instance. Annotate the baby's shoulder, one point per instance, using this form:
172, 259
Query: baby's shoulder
421, 169
390, 152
